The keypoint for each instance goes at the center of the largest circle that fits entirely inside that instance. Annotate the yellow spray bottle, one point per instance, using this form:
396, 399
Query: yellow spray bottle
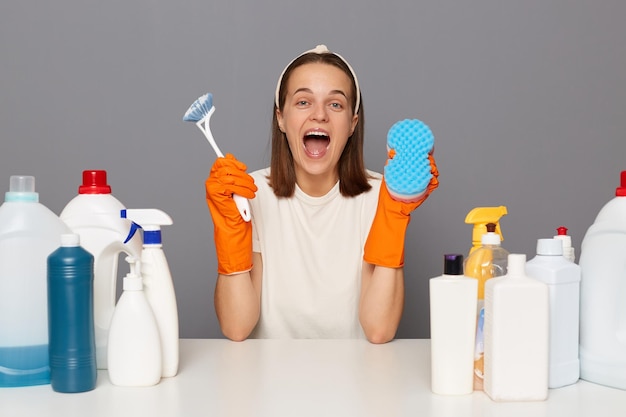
479, 217
486, 259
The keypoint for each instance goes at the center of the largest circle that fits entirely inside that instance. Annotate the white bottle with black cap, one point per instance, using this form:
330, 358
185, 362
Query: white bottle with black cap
453, 299
563, 279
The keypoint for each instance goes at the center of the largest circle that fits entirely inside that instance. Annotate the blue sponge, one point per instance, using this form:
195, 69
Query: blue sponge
408, 172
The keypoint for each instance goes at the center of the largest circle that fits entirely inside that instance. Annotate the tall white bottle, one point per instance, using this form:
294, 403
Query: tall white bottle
134, 348
94, 214
563, 279
602, 294
453, 299
516, 335
157, 283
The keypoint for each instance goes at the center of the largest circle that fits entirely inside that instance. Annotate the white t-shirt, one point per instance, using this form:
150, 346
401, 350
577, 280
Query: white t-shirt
312, 250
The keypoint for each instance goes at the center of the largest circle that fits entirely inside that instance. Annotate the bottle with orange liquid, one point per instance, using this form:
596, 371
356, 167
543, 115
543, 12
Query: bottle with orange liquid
486, 260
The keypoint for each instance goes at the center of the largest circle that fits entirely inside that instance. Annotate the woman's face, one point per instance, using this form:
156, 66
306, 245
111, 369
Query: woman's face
317, 119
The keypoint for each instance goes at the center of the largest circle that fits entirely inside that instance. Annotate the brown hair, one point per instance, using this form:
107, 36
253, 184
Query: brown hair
353, 178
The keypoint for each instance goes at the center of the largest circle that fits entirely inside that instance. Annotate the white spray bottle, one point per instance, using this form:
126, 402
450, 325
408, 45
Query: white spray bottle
94, 214
157, 282
134, 348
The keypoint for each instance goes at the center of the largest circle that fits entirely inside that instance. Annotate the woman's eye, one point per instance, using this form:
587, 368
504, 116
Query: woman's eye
337, 106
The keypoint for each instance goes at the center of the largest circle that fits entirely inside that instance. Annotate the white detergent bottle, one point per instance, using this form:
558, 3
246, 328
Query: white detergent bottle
603, 295
134, 348
29, 232
453, 298
516, 335
94, 214
157, 282
563, 279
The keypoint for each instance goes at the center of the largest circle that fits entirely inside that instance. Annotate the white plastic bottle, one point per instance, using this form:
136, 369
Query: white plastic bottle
134, 348
568, 249
452, 329
157, 283
94, 214
603, 294
563, 279
516, 335
29, 232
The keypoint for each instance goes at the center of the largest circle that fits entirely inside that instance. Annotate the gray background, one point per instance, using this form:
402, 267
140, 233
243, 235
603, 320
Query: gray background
526, 100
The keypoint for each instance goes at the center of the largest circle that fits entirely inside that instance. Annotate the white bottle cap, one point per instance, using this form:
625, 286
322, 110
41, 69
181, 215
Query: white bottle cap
566, 239
70, 239
21, 189
516, 265
490, 238
22, 183
551, 247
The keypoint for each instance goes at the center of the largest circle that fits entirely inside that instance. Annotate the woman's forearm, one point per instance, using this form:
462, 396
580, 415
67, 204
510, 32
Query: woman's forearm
381, 302
238, 303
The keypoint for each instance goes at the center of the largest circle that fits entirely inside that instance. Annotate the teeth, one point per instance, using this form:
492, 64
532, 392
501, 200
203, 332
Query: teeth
316, 133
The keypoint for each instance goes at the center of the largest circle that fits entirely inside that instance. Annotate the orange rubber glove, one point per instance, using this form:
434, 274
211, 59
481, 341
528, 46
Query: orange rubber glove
385, 243
233, 235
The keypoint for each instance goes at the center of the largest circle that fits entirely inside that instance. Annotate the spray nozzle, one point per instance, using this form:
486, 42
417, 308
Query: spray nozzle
480, 217
150, 220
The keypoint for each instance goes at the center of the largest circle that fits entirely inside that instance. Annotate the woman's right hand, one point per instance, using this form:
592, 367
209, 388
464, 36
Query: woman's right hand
233, 235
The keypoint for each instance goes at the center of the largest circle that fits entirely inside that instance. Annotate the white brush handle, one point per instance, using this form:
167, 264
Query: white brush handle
243, 205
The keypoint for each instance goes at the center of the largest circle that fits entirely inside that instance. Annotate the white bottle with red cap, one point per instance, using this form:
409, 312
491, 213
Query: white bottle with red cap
94, 214
563, 279
602, 294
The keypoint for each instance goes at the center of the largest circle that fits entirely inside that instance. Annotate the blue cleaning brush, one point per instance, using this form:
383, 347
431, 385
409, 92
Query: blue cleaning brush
200, 112
408, 172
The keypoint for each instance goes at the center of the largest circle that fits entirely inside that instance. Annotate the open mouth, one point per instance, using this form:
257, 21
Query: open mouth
316, 143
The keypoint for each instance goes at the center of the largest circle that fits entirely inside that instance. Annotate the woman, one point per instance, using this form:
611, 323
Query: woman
323, 255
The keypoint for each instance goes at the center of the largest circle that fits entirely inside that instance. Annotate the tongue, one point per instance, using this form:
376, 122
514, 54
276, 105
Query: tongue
316, 146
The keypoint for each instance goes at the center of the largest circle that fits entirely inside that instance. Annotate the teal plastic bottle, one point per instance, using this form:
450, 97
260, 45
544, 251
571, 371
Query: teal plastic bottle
70, 317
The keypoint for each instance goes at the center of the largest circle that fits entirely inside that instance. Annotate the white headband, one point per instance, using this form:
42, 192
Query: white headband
321, 49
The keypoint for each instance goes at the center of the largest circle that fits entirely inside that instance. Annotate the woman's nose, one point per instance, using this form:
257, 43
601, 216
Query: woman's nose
319, 112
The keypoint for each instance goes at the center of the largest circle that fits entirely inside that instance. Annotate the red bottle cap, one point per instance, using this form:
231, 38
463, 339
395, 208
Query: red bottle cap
94, 182
621, 190
561, 231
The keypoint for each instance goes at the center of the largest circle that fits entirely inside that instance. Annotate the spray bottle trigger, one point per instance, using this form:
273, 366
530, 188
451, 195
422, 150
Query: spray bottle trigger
133, 227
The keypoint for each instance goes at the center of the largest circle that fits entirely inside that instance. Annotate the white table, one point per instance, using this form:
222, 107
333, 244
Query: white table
296, 378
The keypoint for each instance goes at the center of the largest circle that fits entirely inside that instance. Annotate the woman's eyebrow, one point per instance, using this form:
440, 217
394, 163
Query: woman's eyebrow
308, 90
